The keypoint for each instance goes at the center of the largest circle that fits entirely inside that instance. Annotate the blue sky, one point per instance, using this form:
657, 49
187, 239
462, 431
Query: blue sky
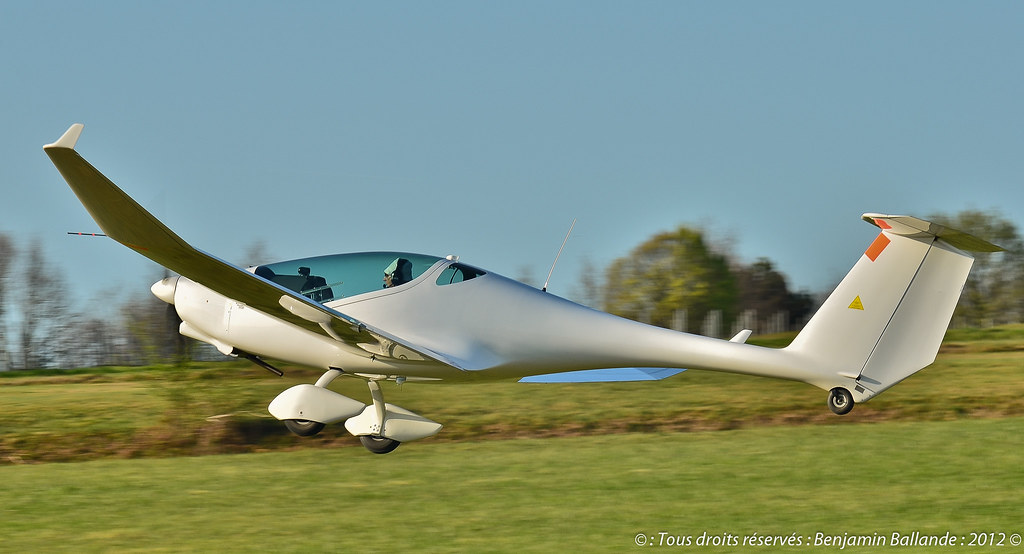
483, 128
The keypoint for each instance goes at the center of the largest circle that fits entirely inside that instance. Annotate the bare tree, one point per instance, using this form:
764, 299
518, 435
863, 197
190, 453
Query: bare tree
589, 287
42, 309
94, 333
525, 276
7, 254
256, 253
152, 331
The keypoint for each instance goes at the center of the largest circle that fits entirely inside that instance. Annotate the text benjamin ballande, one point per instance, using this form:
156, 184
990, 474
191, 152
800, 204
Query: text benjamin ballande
838, 541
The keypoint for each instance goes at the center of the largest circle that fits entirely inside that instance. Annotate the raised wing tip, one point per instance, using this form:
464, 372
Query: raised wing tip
69, 138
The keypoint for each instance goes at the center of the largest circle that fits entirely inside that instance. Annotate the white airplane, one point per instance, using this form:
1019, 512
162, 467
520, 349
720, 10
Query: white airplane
390, 316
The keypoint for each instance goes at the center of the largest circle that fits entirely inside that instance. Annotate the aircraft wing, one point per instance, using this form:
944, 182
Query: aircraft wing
128, 223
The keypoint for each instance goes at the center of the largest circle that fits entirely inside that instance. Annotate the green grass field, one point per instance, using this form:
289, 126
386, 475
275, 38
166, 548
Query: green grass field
518, 467
536, 495
221, 408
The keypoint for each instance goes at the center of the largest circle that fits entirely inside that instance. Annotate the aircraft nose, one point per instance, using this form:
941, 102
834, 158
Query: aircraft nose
164, 289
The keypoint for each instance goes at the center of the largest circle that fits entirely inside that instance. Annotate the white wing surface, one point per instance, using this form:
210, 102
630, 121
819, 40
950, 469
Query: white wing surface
128, 223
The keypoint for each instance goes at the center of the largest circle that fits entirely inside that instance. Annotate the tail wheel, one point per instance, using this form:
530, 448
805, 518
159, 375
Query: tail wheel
303, 428
378, 444
840, 401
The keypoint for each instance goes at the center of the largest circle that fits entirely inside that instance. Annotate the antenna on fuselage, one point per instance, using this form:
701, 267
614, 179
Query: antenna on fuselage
552, 270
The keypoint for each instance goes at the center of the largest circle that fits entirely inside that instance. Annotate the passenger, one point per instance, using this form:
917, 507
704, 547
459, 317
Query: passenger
398, 272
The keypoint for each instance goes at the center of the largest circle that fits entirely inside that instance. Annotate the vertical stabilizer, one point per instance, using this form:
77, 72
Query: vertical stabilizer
914, 333
887, 317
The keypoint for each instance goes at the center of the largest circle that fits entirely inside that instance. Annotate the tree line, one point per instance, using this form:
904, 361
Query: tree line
40, 329
677, 279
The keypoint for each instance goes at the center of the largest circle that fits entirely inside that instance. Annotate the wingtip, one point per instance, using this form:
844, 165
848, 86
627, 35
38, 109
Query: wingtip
69, 138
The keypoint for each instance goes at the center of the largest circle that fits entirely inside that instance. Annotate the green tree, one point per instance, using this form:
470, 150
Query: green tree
763, 289
672, 271
994, 293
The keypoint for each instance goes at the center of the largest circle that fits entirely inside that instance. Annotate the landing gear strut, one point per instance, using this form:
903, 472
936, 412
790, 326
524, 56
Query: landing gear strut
376, 443
381, 428
840, 401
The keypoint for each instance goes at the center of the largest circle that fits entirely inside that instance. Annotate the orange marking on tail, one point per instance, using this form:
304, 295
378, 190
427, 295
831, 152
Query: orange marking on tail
876, 247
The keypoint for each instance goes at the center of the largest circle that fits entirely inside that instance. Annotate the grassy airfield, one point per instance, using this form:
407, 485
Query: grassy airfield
518, 467
591, 493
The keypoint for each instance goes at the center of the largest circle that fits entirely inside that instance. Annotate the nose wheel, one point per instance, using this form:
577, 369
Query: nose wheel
840, 401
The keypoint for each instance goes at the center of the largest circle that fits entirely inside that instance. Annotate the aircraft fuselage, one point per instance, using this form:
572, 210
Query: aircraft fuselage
488, 326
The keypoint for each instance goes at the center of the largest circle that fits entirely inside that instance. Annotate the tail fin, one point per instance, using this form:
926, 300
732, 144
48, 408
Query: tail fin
887, 317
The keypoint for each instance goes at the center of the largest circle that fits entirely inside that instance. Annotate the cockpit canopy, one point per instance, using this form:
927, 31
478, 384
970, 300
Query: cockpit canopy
326, 278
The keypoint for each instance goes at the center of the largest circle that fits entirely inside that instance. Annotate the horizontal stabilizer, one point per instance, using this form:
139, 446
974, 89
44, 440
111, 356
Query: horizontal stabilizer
612, 375
913, 227
742, 336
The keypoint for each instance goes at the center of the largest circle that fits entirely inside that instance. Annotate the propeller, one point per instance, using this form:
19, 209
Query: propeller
173, 322
164, 290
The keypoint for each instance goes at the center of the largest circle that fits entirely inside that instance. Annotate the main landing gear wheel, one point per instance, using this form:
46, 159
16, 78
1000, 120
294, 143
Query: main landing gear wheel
377, 444
840, 401
303, 428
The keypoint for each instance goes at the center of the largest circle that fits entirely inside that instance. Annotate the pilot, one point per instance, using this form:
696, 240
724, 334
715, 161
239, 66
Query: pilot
398, 272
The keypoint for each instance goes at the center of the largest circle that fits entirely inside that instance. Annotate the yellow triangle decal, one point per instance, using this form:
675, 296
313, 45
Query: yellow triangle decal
856, 304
